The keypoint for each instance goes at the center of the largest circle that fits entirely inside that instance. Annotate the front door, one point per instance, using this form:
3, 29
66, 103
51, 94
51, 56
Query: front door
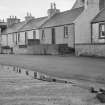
53, 35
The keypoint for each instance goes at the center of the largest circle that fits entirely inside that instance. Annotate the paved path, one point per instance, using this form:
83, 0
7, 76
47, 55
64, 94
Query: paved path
65, 67
16, 89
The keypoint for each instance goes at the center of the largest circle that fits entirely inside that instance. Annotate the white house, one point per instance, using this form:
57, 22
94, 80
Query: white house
85, 32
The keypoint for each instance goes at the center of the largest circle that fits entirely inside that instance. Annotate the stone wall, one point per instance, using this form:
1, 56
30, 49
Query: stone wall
90, 49
18, 50
44, 49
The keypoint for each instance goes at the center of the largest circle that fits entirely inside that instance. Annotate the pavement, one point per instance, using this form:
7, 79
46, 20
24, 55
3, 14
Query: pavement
68, 67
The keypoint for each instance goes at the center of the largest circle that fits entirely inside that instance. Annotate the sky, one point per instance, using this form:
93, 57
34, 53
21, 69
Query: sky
38, 8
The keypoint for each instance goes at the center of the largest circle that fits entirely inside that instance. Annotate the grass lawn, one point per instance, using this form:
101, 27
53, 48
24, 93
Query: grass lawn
16, 89
64, 67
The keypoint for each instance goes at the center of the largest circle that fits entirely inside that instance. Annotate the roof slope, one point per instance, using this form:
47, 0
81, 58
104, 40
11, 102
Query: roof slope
66, 17
99, 17
34, 24
13, 28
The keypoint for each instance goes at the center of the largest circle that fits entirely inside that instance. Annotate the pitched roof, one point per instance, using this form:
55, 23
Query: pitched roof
34, 24
66, 17
100, 17
13, 28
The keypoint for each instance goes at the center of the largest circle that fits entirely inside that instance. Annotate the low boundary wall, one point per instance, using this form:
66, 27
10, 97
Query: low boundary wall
90, 49
44, 49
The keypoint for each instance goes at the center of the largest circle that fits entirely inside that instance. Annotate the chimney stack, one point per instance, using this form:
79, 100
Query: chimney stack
29, 17
52, 11
12, 20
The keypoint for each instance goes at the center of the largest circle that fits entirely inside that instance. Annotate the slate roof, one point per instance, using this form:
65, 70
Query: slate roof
34, 24
13, 28
100, 17
23, 26
66, 17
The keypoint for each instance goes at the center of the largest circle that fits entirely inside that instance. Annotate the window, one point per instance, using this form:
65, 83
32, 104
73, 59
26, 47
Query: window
102, 30
34, 34
43, 34
65, 31
25, 37
18, 37
13, 37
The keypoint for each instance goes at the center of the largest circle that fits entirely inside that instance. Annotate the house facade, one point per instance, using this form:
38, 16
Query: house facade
29, 37
83, 27
60, 28
10, 36
80, 28
17, 33
97, 46
30, 30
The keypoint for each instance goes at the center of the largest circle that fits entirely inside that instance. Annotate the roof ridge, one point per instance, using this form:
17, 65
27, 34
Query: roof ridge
71, 9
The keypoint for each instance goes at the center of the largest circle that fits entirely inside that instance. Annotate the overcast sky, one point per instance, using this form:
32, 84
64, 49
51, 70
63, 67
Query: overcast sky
38, 8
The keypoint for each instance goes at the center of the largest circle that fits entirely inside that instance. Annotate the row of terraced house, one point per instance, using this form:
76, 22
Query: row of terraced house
80, 30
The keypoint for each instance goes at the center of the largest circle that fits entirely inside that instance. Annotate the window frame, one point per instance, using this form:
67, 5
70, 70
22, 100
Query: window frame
18, 37
43, 34
34, 34
66, 31
100, 31
26, 37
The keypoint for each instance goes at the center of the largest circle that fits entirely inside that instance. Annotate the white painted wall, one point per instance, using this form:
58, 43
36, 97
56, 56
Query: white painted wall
10, 40
37, 34
82, 23
4, 40
30, 34
71, 38
47, 39
22, 38
59, 35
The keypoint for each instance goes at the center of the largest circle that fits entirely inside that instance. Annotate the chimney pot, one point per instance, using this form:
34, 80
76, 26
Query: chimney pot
51, 6
54, 6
